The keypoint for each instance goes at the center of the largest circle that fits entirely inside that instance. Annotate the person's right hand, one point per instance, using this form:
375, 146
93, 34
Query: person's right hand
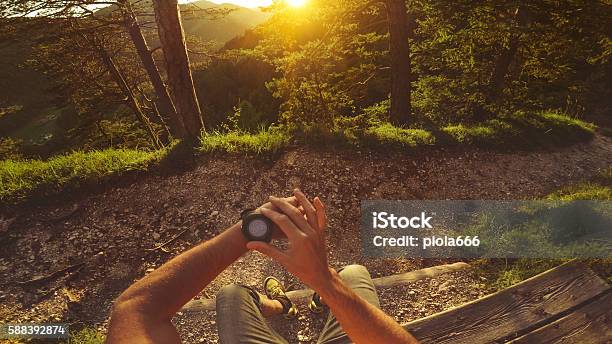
278, 234
306, 257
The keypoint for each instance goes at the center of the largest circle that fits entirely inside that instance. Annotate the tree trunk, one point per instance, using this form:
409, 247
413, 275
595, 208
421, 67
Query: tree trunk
180, 80
164, 101
506, 57
401, 109
502, 67
130, 99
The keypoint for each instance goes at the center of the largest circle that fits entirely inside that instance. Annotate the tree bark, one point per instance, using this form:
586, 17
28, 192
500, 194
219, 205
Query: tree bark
506, 57
399, 48
130, 99
180, 80
164, 102
502, 67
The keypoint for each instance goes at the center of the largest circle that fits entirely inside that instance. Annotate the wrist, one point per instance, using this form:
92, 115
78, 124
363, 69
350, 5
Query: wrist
237, 238
329, 286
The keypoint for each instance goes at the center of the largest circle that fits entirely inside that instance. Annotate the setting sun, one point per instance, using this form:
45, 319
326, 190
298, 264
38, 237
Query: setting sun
297, 3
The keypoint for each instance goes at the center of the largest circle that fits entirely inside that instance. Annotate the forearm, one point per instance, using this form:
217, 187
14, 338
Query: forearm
169, 287
362, 321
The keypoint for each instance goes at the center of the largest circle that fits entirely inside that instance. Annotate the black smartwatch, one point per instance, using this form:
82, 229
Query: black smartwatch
255, 226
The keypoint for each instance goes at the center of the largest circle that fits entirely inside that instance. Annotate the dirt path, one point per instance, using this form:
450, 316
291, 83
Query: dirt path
111, 230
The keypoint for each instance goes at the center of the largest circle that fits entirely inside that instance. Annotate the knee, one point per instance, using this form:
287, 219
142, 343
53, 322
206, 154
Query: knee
355, 275
354, 270
232, 291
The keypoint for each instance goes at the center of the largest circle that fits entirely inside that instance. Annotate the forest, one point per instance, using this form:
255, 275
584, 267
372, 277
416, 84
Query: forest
132, 129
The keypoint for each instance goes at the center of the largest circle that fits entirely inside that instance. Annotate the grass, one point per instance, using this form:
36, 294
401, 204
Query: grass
522, 129
501, 274
265, 141
87, 336
386, 134
24, 179
598, 188
505, 273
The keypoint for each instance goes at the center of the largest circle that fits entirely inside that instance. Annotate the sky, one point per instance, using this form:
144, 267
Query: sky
245, 3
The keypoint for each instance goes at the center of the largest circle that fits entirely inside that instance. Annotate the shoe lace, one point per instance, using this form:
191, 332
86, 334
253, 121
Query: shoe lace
276, 290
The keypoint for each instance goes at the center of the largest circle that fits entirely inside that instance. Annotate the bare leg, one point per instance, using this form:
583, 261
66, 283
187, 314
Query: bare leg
270, 307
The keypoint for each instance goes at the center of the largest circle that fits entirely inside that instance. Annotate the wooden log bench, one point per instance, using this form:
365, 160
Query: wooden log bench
567, 304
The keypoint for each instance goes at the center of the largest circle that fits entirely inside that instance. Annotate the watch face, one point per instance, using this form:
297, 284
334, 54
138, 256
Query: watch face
258, 228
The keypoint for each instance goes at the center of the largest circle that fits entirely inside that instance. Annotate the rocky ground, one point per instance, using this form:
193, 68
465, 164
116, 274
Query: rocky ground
100, 242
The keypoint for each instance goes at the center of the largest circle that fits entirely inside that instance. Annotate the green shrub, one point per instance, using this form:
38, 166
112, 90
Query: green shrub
265, 141
20, 179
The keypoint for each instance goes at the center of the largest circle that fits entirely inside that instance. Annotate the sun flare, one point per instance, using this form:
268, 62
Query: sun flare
296, 3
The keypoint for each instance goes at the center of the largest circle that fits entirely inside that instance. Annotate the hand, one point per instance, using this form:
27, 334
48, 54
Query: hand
293, 201
304, 225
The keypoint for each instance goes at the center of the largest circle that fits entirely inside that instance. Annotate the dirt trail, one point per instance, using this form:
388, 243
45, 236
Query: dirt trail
111, 230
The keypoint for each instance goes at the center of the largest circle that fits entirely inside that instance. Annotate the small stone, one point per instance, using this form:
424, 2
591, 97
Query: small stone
214, 213
444, 286
156, 236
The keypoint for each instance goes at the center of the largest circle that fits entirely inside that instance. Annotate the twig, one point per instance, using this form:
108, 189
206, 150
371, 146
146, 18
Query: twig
167, 242
70, 269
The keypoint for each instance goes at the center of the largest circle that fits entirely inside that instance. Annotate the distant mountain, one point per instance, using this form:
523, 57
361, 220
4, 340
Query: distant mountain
223, 29
219, 30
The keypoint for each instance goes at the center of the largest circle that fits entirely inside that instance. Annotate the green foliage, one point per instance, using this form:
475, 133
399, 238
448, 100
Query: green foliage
237, 83
22, 179
87, 336
268, 140
444, 100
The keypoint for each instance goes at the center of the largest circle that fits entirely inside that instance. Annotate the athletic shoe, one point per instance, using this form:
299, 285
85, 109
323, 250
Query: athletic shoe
276, 291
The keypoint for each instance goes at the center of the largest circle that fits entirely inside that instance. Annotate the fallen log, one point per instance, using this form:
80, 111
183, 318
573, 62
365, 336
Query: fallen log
301, 296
